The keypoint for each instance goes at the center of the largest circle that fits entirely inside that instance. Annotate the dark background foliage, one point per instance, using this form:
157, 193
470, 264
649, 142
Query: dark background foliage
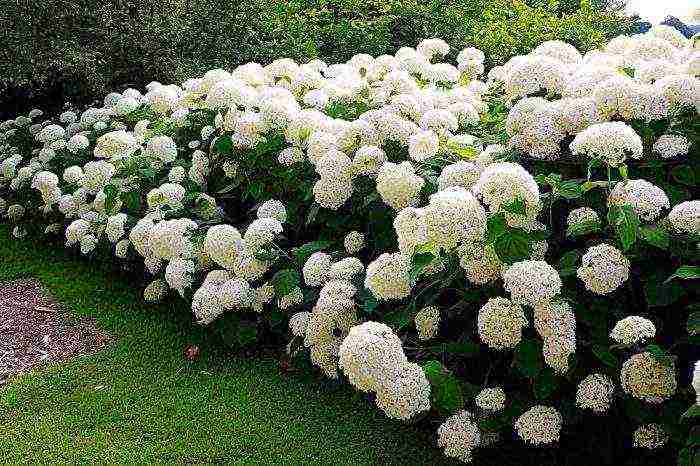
58, 51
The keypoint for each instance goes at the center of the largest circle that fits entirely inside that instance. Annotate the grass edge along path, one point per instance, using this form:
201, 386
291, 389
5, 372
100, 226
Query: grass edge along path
141, 401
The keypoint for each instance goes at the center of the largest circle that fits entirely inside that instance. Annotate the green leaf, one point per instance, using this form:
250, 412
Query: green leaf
445, 391
655, 236
625, 222
513, 246
545, 384
517, 206
466, 348
131, 200
684, 174
399, 318
568, 262
527, 357
605, 355
418, 263
111, 195
686, 272
693, 411
662, 294
223, 145
302, 253
583, 228
496, 226
660, 354
569, 189
285, 281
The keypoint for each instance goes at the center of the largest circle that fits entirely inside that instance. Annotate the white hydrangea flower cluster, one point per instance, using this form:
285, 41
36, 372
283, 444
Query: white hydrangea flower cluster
646, 378
586, 94
427, 322
650, 436
582, 215
388, 277
372, 358
539, 425
685, 218
500, 323
531, 282
633, 330
491, 399
595, 392
647, 200
459, 435
555, 322
603, 269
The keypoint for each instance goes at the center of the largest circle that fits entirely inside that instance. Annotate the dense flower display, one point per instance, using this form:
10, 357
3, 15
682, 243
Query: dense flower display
389, 217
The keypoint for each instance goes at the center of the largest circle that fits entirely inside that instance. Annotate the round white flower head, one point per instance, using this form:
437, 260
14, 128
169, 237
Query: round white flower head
179, 274
491, 399
273, 209
646, 199
646, 378
539, 425
369, 354
531, 282
235, 294
96, 175
261, 233
632, 330
177, 174
685, 217
502, 183
500, 323
316, 269
611, 143
73, 175
595, 392
671, 146
406, 393
556, 323
346, 269
387, 277
454, 216
205, 303
354, 242
480, 262
427, 322
50, 133
433, 48
650, 436
223, 244
116, 145
155, 291
77, 143
458, 436
115, 227
582, 215
462, 174
603, 269
398, 184
332, 193
423, 145
298, 323
368, 160
162, 148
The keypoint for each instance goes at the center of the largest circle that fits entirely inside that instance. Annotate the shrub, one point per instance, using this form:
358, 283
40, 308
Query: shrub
83, 50
438, 241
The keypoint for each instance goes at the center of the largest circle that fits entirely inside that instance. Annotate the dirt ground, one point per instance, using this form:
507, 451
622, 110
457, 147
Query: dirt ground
34, 329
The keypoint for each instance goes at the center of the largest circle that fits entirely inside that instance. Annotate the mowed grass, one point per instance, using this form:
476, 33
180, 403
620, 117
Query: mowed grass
140, 401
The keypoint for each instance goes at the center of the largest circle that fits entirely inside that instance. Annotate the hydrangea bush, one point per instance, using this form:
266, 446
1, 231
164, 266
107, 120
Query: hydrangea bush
500, 257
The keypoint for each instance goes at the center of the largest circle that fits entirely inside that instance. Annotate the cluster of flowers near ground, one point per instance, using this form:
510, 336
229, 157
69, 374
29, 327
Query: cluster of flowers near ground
498, 251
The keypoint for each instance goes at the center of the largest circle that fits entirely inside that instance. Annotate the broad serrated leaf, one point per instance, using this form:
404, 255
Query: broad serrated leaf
568, 262
445, 391
685, 272
655, 236
605, 355
285, 281
302, 253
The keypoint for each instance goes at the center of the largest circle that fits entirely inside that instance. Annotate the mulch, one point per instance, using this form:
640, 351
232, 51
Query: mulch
35, 329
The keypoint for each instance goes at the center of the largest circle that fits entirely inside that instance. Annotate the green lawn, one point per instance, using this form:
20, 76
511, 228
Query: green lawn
141, 401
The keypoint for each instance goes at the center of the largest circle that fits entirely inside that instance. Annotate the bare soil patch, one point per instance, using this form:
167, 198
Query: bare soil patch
35, 329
